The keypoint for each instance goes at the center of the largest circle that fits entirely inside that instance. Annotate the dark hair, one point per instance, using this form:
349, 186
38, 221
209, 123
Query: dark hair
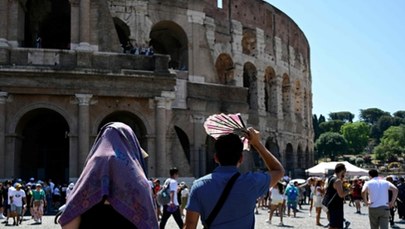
373, 173
280, 187
339, 167
318, 182
228, 149
173, 171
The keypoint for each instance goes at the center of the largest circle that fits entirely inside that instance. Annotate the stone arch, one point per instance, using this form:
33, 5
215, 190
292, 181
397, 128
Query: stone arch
48, 20
41, 145
225, 68
300, 157
307, 157
123, 31
249, 42
167, 37
286, 93
14, 124
270, 90
289, 157
250, 82
272, 146
184, 141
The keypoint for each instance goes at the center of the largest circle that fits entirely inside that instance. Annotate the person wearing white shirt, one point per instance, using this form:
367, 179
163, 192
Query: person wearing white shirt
17, 199
375, 196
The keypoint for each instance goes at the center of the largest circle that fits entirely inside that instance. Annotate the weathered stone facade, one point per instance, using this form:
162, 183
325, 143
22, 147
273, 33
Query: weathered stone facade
56, 92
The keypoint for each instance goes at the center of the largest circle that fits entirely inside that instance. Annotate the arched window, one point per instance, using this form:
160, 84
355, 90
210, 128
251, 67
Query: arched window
169, 38
47, 24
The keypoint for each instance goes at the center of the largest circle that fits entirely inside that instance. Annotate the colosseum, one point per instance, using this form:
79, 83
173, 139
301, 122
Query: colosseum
69, 66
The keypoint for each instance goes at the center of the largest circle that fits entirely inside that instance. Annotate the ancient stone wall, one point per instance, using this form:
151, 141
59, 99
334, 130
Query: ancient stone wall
247, 57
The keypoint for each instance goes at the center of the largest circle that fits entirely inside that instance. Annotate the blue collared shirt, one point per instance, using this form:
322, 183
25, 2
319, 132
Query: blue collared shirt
239, 207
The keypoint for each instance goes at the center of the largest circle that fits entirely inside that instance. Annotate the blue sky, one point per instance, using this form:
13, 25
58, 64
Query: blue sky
357, 52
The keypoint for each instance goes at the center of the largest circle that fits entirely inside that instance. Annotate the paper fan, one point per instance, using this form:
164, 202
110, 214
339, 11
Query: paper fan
222, 124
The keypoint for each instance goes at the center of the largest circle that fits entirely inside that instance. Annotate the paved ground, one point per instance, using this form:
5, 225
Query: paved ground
303, 221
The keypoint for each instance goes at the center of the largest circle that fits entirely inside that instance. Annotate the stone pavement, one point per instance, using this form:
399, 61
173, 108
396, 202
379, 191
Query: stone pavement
302, 221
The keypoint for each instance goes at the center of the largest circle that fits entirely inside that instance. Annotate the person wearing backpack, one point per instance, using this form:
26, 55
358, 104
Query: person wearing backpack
292, 194
172, 208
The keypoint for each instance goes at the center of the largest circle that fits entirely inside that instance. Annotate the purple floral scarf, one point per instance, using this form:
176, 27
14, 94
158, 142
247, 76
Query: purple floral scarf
115, 169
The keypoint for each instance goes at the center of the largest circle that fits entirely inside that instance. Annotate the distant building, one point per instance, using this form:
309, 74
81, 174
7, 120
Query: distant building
57, 91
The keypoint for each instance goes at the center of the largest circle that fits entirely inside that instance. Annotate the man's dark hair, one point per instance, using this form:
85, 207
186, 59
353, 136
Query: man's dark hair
373, 173
339, 167
173, 171
228, 149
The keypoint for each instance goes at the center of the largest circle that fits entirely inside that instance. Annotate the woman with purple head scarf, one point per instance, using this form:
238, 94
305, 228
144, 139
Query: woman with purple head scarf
113, 190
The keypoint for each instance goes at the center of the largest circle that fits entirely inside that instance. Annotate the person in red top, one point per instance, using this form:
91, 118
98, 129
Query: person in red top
356, 194
156, 188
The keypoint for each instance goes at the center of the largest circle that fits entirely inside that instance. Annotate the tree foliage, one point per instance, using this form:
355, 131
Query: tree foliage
356, 135
392, 144
331, 144
331, 126
371, 115
399, 114
383, 123
344, 116
316, 122
379, 145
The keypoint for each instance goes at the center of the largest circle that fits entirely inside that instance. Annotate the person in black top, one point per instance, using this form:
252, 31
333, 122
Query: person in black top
336, 194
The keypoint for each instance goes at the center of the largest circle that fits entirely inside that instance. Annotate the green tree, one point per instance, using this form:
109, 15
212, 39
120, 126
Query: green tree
331, 144
392, 144
371, 115
357, 135
345, 116
315, 123
383, 123
399, 114
331, 126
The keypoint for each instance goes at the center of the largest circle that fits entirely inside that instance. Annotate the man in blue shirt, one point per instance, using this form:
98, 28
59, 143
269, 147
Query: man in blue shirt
238, 209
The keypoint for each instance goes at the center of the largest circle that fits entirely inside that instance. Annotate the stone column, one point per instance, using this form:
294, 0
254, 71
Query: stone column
4, 46
73, 158
3, 22
74, 24
163, 104
196, 18
197, 155
85, 23
3, 98
15, 24
84, 128
160, 122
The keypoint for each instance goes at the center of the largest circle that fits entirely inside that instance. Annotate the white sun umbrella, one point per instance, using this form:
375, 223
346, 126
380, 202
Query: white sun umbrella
299, 180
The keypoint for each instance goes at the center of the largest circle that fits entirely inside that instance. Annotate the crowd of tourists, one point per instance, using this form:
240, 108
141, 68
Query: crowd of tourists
384, 196
138, 49
32, 198
113, 185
